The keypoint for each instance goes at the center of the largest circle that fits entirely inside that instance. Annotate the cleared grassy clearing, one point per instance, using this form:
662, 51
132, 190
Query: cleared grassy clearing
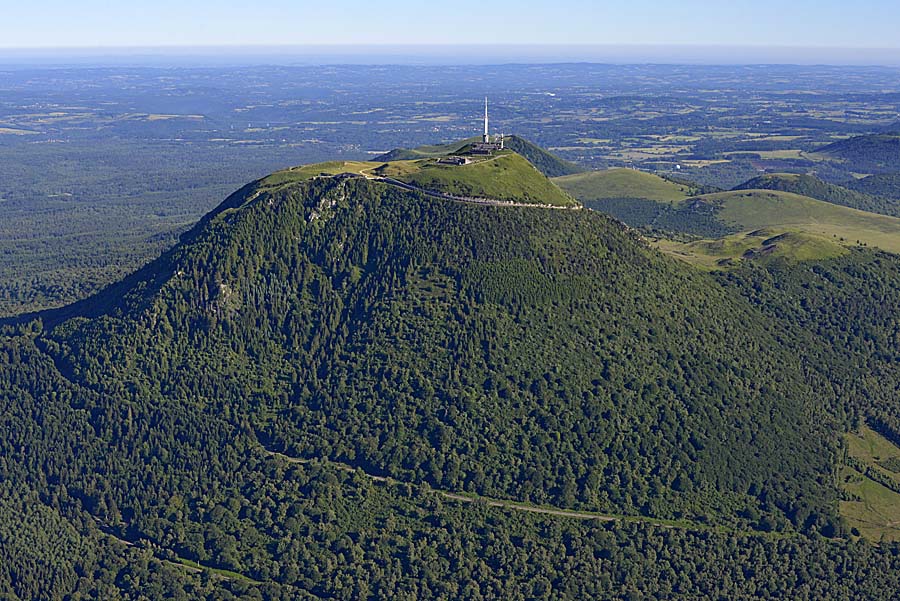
760, 245
876, 511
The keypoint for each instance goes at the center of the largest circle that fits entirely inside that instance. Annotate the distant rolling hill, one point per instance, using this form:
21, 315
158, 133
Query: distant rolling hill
875, 153
808, 185
545, 162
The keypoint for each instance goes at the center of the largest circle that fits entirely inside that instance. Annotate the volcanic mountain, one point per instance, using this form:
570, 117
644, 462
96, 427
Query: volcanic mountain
284, 393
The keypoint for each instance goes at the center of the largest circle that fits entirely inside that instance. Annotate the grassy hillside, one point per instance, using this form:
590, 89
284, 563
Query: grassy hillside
812, 187
622, 184
871, 478
750, 219
745, 222
751, 210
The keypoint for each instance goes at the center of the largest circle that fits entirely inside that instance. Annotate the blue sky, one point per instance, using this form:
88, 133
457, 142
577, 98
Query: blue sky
117, 23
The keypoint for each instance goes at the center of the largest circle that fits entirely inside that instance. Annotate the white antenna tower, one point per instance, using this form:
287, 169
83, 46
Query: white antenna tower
487, 138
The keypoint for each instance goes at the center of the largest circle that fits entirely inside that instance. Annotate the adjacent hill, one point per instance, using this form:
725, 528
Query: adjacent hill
545, 162
876, 153
761, 245
773, 203
640, 199
750, 224
615, 184
812, 187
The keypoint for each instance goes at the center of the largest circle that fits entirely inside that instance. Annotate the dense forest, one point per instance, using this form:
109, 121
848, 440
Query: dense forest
886, 185
873, 153
544, 357
841, 318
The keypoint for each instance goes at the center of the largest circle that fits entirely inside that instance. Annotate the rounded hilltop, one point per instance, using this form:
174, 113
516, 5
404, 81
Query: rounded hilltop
469, 172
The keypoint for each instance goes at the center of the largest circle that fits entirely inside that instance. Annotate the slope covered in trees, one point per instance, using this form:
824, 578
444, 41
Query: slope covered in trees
885, 185
873, 153
542, 356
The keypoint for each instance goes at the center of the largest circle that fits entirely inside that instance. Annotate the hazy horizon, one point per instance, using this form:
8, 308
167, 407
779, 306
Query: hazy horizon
444, 54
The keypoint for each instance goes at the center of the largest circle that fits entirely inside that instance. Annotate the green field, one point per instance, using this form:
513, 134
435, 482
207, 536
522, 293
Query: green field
622, 183
875, 512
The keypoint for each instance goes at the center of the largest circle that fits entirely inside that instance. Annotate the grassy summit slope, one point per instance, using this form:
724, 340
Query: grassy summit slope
431, 151
506, 176
545, 162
